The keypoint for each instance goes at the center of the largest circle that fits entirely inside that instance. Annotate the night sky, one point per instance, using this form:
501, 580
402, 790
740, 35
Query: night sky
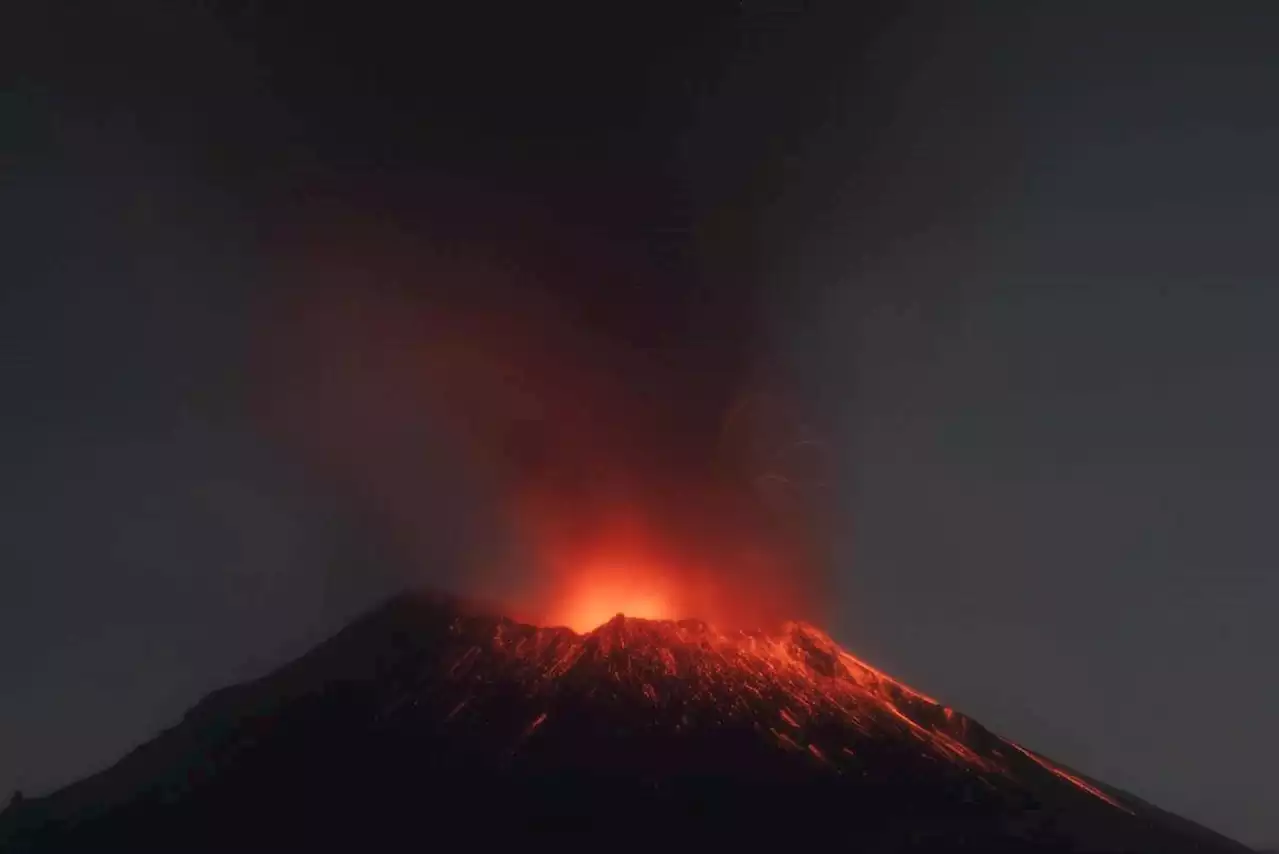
292, 295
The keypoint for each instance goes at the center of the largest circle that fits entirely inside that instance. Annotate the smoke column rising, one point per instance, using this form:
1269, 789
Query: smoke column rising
612, 430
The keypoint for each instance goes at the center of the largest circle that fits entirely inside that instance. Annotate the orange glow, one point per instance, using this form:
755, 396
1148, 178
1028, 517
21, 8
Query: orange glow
597, 597
796, 684
598, 469
614, 556
610, 559
1070, 778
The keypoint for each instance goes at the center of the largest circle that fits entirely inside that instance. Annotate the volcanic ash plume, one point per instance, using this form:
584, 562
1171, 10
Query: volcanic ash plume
610, 426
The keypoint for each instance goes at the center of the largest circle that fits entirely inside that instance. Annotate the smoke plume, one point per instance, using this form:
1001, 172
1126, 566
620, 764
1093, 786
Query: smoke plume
608, 424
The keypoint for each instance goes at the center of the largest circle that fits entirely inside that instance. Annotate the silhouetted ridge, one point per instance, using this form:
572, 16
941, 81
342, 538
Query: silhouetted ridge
431, 718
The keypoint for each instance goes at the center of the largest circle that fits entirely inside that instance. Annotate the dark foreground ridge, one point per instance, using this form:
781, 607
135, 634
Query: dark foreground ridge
428, 723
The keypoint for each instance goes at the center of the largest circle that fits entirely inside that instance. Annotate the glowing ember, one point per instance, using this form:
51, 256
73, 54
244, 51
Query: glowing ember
1071, 778
598, 597
796, 686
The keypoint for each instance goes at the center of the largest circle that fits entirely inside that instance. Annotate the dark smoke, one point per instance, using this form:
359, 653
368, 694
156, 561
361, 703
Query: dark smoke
563, 382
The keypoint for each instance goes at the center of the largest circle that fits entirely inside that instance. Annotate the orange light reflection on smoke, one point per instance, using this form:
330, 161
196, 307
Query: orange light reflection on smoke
599, 593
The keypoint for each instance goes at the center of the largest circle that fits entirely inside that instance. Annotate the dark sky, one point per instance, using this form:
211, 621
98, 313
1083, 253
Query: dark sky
1010, 266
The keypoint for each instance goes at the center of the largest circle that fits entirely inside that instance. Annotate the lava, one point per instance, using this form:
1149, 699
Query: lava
598, 598
1070, 778
796, 685
686, 731
602, 479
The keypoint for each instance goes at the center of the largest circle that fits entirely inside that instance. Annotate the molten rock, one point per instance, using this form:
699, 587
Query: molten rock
427, 721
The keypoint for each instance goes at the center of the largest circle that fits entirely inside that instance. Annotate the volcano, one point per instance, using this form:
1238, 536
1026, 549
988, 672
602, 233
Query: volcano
433, 722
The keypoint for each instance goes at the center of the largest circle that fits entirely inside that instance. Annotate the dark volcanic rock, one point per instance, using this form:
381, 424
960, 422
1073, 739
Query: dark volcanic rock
427, 723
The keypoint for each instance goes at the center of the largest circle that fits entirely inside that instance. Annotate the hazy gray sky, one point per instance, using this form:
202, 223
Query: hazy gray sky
1017, 264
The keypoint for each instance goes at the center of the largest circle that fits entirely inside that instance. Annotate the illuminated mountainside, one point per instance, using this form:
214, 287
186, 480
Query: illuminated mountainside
430, 719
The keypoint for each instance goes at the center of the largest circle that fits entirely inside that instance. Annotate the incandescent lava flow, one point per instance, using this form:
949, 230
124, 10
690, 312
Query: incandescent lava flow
432, 716
793, 686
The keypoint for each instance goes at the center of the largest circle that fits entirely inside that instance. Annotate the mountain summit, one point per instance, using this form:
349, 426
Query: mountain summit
429, 721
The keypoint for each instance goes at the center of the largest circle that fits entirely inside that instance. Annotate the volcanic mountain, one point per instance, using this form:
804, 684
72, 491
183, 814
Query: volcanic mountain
429, 722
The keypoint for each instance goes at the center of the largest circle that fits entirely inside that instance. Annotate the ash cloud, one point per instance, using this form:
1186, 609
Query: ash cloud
557, 278
567, 391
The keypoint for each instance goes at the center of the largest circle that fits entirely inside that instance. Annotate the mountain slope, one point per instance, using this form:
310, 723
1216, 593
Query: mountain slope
429, 720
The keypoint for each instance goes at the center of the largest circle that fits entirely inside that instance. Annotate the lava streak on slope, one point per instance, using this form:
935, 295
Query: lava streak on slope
794, 687
433, 712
